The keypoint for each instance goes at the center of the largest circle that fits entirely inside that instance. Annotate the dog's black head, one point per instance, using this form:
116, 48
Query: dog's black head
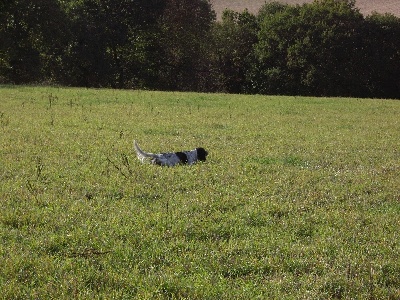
201, 154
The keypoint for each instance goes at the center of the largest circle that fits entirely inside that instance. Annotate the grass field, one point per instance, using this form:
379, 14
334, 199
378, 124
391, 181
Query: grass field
299, 198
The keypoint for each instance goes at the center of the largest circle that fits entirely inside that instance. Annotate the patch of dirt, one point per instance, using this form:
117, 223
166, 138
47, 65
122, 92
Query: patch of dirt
366, 6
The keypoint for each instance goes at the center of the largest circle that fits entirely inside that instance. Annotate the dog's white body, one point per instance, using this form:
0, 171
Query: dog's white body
171, 158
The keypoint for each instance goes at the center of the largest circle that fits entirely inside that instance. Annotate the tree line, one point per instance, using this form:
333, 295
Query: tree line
323, 48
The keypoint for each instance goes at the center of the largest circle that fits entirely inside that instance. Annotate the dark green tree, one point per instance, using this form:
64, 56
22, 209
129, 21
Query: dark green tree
382, 55
33, 37
234, 38
184, 62
310, 49
111, 41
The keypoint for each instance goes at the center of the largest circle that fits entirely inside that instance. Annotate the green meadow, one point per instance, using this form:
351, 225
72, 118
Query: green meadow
299, 197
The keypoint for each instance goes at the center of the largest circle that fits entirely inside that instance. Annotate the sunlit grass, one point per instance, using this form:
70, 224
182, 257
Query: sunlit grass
299, 197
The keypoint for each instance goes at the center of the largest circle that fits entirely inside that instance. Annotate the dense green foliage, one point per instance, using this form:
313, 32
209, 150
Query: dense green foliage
326, 48
321, 48
299, 198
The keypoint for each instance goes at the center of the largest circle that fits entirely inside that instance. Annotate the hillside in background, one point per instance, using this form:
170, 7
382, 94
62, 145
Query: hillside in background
365, 6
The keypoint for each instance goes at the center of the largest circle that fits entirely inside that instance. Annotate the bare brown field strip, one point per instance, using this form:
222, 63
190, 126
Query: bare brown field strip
365, 6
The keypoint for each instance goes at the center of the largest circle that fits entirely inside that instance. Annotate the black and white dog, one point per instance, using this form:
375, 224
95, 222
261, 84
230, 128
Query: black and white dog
172, 158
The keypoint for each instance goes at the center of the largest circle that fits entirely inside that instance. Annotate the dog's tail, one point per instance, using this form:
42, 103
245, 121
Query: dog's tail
143, 156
